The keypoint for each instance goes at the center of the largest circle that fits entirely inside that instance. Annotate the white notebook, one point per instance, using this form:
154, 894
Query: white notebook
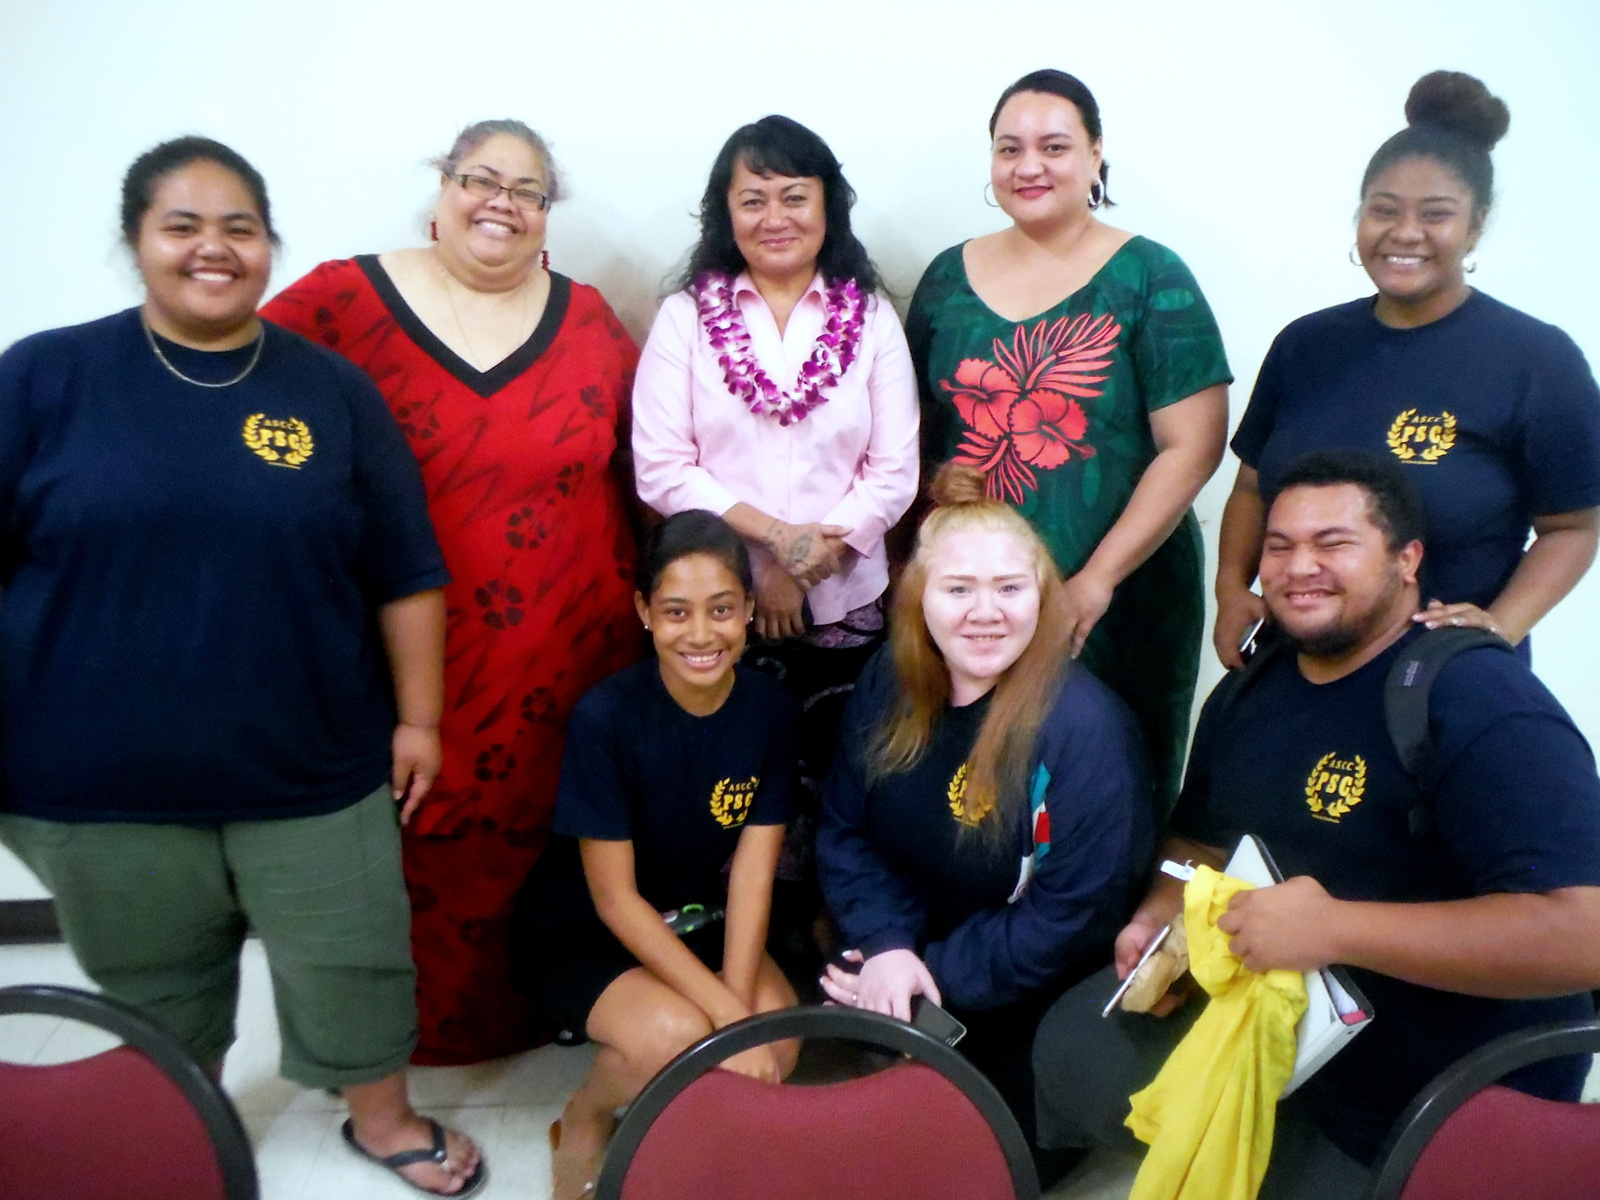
1335, 1009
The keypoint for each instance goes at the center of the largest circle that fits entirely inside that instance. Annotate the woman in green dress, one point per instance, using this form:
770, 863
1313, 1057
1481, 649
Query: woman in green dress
1080, 368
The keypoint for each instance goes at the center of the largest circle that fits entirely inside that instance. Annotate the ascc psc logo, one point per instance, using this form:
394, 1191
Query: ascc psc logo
1421, 440
730, 800
281, 441
1335, 786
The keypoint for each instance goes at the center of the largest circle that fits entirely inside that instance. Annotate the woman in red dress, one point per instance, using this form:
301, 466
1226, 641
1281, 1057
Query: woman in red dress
511, 384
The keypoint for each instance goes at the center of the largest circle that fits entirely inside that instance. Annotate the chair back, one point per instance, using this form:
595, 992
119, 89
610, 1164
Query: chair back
929, 1126
1466, 1137
142, 1121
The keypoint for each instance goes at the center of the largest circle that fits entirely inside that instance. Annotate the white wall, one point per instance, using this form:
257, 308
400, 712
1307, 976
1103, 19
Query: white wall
1237, 131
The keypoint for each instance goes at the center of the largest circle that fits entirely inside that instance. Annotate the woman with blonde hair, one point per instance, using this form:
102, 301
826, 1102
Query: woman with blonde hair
988, 819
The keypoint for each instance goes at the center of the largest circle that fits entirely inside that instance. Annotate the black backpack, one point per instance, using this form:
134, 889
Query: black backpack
1407, 690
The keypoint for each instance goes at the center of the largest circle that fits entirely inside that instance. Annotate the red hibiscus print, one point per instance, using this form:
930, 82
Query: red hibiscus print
1022, 409
983, 395
1047, 427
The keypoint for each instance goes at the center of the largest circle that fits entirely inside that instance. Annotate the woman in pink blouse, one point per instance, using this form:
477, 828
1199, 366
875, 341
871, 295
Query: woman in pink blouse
776, 390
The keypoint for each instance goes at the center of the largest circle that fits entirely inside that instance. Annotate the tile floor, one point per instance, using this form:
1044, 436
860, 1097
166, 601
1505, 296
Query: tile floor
507, 1105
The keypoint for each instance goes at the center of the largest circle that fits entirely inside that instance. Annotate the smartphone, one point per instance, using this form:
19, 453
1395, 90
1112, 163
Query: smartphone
1249, 643
691, 917
935, 1022
1122, 990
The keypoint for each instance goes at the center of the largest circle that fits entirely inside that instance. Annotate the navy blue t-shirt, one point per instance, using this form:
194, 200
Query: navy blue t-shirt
191, 575
1495, 415
638, 768
900, 869
1311, 770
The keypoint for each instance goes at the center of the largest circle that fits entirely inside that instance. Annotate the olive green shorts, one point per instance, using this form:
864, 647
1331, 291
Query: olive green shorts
157, 914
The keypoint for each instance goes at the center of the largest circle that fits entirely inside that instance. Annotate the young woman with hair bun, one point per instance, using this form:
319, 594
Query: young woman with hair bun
988, 820
1494, 414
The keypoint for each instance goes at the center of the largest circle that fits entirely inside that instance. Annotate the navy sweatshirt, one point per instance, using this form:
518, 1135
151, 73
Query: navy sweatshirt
901, 866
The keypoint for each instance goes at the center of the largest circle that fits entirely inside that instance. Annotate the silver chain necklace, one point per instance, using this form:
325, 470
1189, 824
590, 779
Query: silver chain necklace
149, 335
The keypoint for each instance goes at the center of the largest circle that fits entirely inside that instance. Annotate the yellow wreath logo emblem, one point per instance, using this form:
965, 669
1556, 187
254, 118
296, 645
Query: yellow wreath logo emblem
283, 442
1342, 782
1399, 436
957, 795
1436, 435
730, 801
1440, 446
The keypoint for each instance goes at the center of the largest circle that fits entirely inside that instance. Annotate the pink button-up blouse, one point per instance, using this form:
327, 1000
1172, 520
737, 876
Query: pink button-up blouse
851, 461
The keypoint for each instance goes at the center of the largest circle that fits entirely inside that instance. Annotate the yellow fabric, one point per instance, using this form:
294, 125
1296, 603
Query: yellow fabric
1209, 1115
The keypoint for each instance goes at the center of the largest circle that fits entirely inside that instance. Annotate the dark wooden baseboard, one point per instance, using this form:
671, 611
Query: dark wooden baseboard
28, 921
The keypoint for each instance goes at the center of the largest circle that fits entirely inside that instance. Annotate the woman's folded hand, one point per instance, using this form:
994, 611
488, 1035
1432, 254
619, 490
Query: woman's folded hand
809, 553
886, 984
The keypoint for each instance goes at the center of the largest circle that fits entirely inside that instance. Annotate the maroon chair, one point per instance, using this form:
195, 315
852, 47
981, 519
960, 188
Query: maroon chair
930, 1126
1467, 1137
142, 1121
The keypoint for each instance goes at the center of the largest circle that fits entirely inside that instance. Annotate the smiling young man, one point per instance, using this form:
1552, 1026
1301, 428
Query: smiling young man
1488, 922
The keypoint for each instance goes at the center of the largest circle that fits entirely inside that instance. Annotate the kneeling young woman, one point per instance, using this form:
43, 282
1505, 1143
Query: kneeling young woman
988, 819
676, 782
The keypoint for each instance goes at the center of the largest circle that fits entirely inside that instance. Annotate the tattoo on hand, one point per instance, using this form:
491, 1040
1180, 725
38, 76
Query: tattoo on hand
800, 550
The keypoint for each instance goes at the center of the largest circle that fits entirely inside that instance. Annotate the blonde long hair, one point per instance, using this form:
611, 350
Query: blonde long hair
997, 771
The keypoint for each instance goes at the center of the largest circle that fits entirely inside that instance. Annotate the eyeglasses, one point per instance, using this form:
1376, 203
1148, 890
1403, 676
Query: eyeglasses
485, 188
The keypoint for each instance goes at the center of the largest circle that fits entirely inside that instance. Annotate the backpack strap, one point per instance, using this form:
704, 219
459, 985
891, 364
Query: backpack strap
1407, 692
1234, 684
1217, 714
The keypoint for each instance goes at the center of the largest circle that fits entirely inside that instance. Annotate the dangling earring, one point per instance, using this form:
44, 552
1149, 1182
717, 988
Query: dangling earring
1097, 194
1354, 256
544, 259
433, 230
1469, 264
988, 196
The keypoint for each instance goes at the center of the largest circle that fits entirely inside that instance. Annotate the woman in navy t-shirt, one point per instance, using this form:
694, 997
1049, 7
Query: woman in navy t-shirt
221, 657
1494, 414
676, 783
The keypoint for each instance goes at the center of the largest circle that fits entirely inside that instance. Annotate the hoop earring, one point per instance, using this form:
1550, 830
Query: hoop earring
1469, 264
1354, 256
988, 196
1097, 194
433, 230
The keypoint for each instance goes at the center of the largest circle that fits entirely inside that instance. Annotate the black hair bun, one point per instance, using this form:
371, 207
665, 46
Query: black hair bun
1461, 103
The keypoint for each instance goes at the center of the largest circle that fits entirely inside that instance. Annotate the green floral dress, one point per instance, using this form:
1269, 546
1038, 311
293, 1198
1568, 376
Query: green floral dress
1055, 410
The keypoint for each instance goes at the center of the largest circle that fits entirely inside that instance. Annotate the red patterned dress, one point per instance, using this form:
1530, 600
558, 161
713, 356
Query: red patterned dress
518, 465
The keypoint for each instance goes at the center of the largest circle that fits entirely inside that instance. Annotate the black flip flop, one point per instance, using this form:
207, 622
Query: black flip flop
406, 1158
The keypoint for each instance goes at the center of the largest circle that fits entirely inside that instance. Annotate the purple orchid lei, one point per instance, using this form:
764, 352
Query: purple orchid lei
835, 348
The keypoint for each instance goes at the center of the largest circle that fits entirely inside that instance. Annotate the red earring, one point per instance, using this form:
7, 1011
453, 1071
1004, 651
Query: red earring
433, 230
544, 259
